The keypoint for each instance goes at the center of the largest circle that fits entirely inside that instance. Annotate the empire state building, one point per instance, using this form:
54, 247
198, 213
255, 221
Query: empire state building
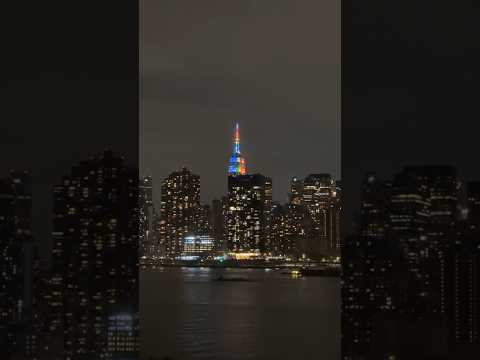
249, 204
237, 165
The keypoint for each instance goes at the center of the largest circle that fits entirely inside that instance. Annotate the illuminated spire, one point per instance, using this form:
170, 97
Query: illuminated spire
236, 142
237, 164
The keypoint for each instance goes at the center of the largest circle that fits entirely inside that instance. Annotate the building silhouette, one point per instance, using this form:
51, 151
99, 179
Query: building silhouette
410, 271
218, 223
321, 197
147, 215
94, 275
17, 266
464, 260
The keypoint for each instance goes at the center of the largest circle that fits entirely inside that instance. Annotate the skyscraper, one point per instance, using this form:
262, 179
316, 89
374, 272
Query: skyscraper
422, 214
473, 200
296, 190
298, 225
218, 215
237, 164
373, 207
249, 203
248, 206
203, 220
321, 197
17, 253
94, 256
180, 210
413, 266
146, 212
464, 301
277, 229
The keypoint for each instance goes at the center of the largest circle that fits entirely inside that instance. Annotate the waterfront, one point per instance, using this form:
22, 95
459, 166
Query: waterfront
185, 314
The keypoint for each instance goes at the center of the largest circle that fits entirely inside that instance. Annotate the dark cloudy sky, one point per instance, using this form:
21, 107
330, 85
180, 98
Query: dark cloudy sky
271, 65
69, 89
410, 90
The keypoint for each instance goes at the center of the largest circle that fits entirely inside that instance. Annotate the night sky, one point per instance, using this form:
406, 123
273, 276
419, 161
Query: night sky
273, 66
69, 90
410, 91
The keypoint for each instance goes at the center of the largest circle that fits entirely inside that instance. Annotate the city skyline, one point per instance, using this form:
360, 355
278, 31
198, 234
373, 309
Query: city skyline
244, 220
338, 141
411, 267
235, 162
221, 63
435, 191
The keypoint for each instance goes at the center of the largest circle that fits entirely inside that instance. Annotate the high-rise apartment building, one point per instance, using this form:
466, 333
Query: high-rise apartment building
296, 191
464, 300
411, 276
321, 196
249, 204
146, 212
94, 256
17, 259
180, 210
218, 223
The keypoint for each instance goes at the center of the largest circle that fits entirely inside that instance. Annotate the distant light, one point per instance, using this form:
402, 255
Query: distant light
188, 257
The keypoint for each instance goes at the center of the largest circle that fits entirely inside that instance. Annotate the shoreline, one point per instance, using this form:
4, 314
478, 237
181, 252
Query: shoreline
324, 272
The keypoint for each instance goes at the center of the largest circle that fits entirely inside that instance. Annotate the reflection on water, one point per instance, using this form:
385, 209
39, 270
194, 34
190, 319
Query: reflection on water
185, 314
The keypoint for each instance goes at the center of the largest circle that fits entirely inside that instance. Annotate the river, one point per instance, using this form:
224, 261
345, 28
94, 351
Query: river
186, 315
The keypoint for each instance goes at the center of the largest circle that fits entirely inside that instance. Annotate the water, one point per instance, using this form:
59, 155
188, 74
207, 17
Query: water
185, 315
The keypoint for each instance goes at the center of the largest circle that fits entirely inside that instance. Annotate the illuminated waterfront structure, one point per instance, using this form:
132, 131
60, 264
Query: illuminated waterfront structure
237, 164
197, 245
94, 255
179, 210
249, 206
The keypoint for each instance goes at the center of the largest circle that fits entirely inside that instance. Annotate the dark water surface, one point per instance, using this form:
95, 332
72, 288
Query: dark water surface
186, 315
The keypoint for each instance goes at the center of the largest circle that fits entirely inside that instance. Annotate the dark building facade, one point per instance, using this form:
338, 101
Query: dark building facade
410, 272
464, 300
278, 244
147, 213
94, 257
218, 223
17, 266
321, 197
203, 220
